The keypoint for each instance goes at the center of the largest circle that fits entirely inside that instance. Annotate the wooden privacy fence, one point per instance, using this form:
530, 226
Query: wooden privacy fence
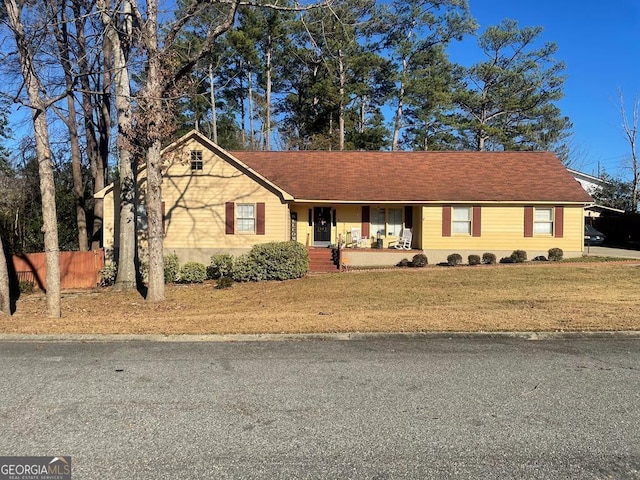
77, 269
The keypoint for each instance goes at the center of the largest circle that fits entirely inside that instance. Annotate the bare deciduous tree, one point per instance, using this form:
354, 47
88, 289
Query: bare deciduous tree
165, 68
58, 11
38, 104
630, 129
119, 33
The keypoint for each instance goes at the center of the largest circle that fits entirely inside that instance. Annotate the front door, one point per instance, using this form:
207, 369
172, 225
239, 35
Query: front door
321, 226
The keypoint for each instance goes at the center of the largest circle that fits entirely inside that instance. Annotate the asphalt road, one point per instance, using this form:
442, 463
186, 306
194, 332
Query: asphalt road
382, 408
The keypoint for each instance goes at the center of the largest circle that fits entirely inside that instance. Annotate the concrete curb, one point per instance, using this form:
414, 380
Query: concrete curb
283, 337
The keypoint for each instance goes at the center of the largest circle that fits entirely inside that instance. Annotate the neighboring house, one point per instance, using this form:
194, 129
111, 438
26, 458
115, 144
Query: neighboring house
454, 202
592, 185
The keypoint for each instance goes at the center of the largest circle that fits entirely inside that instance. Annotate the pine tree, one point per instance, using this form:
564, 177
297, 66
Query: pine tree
507, 101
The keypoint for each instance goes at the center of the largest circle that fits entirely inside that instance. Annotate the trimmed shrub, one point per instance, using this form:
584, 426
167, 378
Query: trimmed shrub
193, 272
419, 260
224, 282
454, 259
245, 269
171, 268
519, 256
221, 265
108, 274
404, 263
281, 260
489, 258
473, 259
555, 254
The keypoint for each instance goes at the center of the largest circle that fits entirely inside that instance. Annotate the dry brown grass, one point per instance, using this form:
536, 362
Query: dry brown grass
547, 297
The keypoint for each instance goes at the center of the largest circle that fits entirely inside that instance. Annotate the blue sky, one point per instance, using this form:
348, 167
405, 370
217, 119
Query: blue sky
600, 45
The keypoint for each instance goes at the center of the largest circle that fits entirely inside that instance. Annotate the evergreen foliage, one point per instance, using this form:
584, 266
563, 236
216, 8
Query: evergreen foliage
555, 254
171, 268
221, 265
474, 259
193, 272
489, 258
272, 261
519, 256
454, 259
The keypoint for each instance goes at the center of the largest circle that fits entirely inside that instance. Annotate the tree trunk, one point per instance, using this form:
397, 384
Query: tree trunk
155, 291
62, 40
78, 184
341, 106
153, 101
214, 115
397, 124
252, 139
126, 254
104, 130
97, 162
243, 117
5, 292
45, 163
267, 133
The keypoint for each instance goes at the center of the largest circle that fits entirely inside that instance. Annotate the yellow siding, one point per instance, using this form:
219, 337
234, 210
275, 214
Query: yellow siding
502, 228
194, 206
195, 203
195, 216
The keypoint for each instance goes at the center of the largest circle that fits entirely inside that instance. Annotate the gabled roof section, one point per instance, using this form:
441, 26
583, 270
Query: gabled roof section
227, 156
418, 177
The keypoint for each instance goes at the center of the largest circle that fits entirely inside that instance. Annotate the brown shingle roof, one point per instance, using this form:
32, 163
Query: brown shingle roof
418, 176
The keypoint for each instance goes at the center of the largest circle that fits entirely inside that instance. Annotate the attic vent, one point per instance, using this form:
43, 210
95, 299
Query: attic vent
196, 160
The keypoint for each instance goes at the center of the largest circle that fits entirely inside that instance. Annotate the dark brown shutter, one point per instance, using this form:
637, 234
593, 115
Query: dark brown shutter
558, 222
366, 212
310, 217
528, 221
476, 221
446, 220
408, 217
334, 217
229, 218
260, 219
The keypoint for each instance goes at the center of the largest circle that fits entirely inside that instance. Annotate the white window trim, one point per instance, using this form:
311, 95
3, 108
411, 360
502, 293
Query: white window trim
550, 222
238, 218
197, 163
468, 223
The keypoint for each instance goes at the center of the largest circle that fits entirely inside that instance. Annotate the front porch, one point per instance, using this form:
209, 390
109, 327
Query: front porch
373, 257
365, 226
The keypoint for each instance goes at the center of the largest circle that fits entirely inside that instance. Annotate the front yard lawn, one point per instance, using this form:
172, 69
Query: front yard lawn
546, 297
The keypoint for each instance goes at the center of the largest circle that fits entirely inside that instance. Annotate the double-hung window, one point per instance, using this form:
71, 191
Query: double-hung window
196, 160
543, 221
462, 220
246, 217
